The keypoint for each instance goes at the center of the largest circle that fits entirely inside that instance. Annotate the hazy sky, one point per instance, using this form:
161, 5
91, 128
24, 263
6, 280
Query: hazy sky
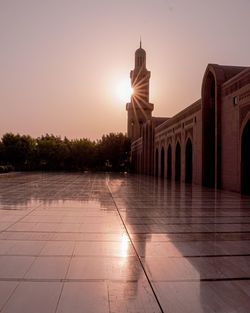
62, 60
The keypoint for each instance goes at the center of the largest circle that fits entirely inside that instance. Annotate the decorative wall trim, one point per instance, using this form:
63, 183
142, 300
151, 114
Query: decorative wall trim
236, 83
244, 96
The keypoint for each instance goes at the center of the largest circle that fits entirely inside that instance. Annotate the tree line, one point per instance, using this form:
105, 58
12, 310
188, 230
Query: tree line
52, 153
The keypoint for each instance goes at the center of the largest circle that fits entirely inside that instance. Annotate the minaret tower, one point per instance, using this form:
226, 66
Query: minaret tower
139, 109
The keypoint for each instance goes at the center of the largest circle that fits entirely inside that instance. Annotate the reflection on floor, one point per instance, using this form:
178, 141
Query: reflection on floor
121, 243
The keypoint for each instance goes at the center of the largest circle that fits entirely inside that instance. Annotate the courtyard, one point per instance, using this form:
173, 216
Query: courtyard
117, 243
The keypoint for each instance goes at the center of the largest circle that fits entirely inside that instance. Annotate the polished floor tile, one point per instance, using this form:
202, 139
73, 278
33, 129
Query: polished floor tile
114, 268
29, 248
121, 244
199, 297
58, 248
78, 297
30, 297
14, 266
48, 268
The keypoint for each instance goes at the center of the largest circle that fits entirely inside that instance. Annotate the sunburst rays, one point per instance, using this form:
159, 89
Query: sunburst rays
139, 97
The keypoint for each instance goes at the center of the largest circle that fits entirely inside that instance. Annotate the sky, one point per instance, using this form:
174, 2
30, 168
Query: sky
62, 61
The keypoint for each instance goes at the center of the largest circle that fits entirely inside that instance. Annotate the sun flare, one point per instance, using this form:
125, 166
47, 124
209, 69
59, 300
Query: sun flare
124, 90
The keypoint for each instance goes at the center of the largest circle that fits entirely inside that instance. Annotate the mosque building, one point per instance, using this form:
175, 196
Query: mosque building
207, 143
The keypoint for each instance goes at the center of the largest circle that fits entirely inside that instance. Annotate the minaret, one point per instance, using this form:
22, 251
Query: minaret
139, 109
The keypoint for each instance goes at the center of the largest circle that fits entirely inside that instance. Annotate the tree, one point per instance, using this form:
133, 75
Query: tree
52, 152
113, 151
18, 150
82, 154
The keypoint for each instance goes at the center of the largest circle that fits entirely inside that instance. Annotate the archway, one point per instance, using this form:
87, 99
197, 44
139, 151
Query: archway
162, 162
208, 120
156, 163
189, 161
169, 163
178, 162
245, 160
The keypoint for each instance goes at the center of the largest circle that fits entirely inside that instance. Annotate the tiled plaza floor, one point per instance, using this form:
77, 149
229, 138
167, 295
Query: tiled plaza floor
95, 243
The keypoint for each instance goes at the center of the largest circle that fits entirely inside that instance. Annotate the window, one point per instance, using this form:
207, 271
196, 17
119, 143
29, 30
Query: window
235, 100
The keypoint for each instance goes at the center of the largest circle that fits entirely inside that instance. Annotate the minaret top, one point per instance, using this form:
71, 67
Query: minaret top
140, 57
140, 50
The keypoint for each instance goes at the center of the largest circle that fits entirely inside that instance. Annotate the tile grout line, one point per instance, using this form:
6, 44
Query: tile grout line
132, 243
82, 280
8, 299
65, 277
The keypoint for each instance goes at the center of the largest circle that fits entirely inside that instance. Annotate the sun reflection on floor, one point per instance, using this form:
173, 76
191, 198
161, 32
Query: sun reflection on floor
124, 245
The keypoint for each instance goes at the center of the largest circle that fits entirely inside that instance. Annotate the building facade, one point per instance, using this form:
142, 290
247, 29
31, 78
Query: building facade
208, 143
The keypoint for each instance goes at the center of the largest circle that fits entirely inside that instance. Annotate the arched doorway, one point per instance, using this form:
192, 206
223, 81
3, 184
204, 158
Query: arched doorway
156, 163
189, 161
208, 120
178, 162
245, 160
162, 162
169, 163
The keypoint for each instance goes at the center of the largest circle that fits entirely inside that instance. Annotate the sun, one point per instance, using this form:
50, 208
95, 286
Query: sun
124, 90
